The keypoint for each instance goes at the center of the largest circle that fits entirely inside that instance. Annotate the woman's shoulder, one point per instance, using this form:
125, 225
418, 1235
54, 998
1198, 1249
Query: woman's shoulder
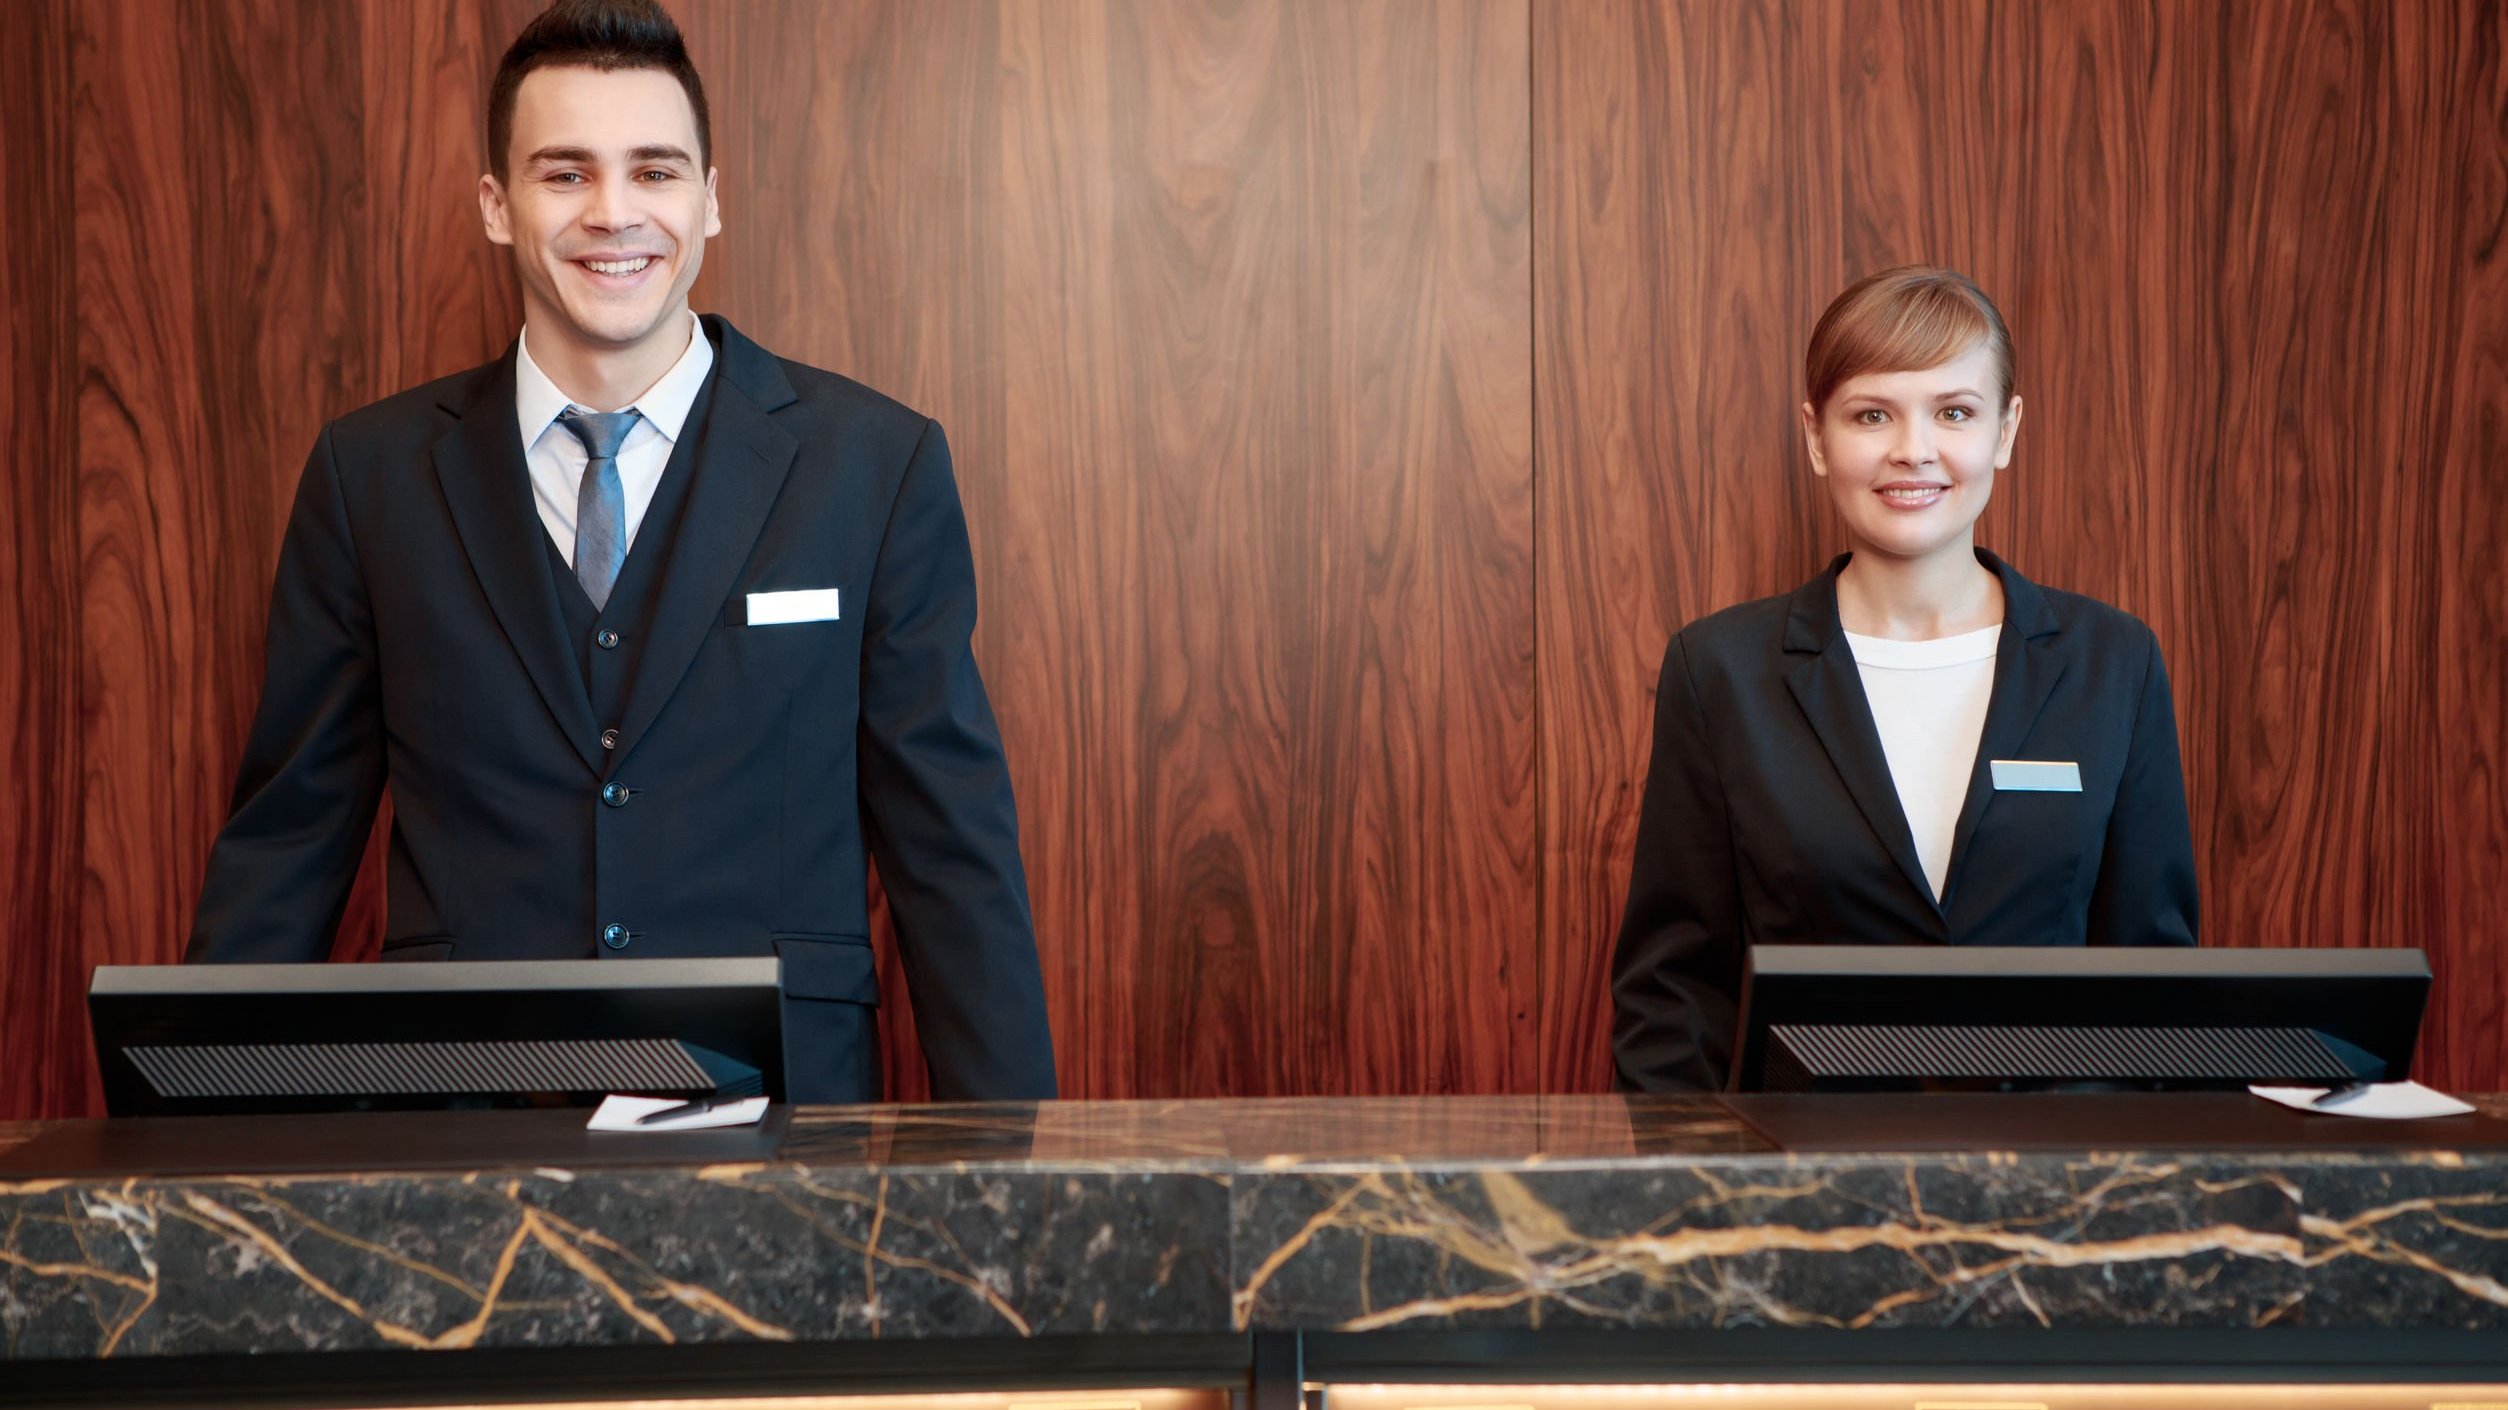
1757, 625
1745, 640
2097, 624
2086, 624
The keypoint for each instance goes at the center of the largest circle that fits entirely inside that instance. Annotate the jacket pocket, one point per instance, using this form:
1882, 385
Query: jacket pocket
829, 967
418, 948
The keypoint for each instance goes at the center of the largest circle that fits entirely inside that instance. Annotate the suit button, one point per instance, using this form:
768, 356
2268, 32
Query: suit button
609, 739
605, 638
614, 794
614, 936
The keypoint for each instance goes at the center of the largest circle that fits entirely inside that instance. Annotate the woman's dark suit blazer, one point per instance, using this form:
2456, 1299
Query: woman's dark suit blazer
1771, 818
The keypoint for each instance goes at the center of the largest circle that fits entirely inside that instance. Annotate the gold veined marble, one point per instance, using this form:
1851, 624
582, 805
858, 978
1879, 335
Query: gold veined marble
1217, 1218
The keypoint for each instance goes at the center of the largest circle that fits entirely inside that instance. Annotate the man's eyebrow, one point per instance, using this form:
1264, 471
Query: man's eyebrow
585, 156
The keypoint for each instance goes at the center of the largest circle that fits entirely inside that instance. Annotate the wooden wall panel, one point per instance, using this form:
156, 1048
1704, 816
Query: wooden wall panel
1348, 401
1251, 284
198, 394
40, 1033
1268, 288
1224, 308
2345, 805
273, 224
440, 298
2461, 517
2250, 257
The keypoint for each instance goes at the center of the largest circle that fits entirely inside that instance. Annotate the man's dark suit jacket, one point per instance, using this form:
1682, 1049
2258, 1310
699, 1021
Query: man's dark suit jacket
658, 778
1770, 816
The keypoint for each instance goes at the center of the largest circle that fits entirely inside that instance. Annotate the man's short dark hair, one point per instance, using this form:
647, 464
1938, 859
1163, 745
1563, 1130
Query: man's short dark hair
595, 34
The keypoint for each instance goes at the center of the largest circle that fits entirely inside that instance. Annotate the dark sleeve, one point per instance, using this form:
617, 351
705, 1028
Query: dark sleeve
2146, 889
937, 807
312, 773
1677, 968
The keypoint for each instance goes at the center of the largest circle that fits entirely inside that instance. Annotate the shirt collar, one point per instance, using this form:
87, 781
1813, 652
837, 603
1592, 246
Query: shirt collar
538, 402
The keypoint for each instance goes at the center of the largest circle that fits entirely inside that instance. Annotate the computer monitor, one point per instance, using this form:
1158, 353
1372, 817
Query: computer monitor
227, 1039
1866, 1018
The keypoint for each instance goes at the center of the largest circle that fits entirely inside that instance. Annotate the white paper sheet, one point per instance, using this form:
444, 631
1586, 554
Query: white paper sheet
2385, 1101
619, 1113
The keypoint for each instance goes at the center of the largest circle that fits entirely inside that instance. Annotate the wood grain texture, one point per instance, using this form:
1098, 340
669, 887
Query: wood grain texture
1224, 309
273, 225
42, 1034
1272, 485
1348, 400
212, 331
2251, 257
181, 488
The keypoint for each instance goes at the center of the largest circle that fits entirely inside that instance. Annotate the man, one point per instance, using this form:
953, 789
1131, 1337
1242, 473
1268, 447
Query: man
649, 630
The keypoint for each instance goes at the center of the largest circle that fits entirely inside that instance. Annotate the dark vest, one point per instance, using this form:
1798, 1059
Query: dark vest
607, 670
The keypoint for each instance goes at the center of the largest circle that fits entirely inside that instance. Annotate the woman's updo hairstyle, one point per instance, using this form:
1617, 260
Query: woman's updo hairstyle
1903, 320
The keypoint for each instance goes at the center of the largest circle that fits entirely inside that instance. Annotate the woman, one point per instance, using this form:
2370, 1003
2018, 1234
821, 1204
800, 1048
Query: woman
1918, 746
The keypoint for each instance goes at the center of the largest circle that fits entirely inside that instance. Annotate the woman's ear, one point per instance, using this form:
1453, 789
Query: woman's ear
2011, 432
1811, 441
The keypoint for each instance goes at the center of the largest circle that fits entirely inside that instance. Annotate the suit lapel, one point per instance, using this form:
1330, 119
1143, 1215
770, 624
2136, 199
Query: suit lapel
479, 464
738, 470
1825, 684
2027, 667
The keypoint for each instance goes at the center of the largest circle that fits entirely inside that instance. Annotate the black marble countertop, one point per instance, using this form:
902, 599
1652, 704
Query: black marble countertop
455, 1230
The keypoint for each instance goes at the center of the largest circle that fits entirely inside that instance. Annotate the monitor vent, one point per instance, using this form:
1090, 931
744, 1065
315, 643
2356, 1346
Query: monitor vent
1834, 1051
656, 1065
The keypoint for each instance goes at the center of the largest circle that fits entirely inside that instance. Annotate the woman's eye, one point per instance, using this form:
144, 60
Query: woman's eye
1870, 416
1956, 413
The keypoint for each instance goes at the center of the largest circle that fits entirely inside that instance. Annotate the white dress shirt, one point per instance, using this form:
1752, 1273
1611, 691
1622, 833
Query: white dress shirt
557, 458
1929, 701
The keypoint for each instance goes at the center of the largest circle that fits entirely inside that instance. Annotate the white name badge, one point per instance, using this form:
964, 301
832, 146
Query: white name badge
2036, 776
777, 609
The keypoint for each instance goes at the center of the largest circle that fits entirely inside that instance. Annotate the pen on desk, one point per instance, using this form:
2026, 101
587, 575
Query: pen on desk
673, 1113
2342, 1094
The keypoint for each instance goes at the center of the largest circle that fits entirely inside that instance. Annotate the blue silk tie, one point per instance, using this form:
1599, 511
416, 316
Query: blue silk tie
601, 504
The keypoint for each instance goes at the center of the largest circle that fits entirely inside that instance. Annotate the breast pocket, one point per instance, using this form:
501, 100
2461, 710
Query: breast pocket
2023, 881
779, 655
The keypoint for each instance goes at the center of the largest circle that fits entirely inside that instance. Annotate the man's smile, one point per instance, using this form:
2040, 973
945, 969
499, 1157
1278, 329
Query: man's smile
617, 271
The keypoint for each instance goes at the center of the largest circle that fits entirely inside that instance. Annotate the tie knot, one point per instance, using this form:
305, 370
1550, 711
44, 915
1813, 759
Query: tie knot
602, 432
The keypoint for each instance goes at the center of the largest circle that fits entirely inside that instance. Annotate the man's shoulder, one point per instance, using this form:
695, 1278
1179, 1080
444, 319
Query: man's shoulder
838, 421
414, 412
819, 389
834, 408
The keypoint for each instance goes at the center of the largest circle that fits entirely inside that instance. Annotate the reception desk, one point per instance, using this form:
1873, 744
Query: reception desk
1842, 1251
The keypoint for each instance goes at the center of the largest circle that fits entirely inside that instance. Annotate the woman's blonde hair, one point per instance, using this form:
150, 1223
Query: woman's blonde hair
1901, 320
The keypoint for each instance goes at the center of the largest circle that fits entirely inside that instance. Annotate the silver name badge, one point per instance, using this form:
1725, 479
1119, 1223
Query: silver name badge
2036, 776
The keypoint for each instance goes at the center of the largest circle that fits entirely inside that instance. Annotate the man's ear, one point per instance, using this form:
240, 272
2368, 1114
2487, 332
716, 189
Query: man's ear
492, 210
713, 205
1811, 441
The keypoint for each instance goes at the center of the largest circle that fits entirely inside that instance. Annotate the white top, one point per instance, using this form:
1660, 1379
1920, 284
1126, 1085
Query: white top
1929, 700
557, 458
